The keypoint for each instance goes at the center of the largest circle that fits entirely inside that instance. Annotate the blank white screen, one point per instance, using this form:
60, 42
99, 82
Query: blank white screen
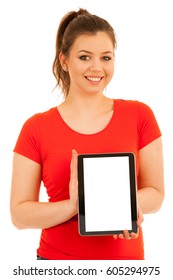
107, 194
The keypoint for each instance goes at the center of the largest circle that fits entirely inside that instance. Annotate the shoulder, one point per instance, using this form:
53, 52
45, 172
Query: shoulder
32, 134
40, 118
133, 106
131, 103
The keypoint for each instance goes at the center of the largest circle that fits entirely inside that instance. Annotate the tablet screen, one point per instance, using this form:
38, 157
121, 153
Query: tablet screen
107, 193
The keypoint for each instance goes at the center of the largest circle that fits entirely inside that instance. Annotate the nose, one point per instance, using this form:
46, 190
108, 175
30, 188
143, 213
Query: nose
96, 65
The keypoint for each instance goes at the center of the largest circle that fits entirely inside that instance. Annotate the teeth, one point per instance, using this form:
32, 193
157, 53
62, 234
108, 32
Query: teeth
93, 79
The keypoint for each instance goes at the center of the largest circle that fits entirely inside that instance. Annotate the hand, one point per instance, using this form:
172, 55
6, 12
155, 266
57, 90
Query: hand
126, 235
73, 185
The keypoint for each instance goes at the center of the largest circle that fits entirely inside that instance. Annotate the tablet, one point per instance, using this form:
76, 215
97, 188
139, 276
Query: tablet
107, 193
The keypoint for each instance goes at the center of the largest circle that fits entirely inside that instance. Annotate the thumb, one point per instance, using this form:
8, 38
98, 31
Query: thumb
73, 165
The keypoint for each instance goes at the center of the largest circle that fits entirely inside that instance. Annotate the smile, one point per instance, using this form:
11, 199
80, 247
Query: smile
94, 79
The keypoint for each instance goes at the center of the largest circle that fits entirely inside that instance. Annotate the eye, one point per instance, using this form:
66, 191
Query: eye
107, 58
84, 57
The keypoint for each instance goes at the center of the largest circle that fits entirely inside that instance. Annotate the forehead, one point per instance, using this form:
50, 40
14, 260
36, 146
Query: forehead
98, 42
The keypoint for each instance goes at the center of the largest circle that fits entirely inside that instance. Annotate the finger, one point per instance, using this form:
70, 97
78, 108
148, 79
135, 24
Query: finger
126, 234
121, 236
133, 235
140, 220
73, 184
140, 217
115, 236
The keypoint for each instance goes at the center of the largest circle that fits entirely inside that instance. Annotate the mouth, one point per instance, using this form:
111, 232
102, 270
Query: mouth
93, 79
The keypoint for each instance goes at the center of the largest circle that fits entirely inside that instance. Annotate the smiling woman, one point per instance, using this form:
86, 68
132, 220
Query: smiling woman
90, 63
88, 122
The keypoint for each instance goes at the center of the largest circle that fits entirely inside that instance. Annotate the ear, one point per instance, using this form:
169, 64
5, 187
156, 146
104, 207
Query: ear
63, 61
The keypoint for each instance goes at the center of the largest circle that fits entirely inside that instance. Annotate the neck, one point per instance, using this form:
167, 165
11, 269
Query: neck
86, 103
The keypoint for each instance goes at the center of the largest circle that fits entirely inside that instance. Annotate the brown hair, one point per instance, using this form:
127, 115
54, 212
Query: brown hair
72, 25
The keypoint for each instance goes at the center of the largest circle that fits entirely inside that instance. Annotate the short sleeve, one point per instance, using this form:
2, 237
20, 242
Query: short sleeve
28, 142
148, 128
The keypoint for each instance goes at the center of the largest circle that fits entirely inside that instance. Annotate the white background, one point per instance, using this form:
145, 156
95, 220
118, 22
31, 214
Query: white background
143, 71
107, 182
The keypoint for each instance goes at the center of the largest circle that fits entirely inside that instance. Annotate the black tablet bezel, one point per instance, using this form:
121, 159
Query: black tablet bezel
81, 196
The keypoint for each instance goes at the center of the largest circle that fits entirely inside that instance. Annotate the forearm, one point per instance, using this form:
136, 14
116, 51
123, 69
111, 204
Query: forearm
150, 199
40, 215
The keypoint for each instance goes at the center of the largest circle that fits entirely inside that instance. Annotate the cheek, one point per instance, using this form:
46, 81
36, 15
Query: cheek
110, 71
78, 68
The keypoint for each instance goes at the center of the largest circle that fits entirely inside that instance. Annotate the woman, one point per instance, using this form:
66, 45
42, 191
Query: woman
86, 122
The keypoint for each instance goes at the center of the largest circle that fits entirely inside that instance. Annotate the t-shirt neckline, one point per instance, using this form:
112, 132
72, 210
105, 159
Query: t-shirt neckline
85, 134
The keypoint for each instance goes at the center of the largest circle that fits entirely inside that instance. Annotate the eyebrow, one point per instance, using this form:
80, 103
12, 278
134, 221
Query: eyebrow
106, 52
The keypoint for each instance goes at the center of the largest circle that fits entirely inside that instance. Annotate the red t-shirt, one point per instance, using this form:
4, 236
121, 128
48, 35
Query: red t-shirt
46, 139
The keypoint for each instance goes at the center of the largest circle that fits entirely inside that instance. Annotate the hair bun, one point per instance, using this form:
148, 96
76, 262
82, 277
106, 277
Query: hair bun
82, 12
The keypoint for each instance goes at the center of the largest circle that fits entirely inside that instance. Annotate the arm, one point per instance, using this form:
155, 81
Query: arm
151, 177
150, 183
26, 210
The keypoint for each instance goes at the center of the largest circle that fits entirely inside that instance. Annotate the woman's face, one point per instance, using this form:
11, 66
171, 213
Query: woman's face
90, 63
